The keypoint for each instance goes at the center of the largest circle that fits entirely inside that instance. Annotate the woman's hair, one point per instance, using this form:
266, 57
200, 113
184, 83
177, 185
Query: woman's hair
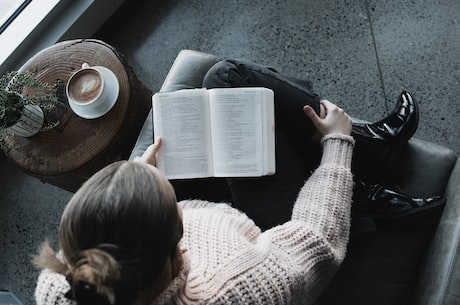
116, 234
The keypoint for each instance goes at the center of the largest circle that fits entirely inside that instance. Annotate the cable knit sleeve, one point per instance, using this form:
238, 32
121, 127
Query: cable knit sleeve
51, 288
315, 240
324, 201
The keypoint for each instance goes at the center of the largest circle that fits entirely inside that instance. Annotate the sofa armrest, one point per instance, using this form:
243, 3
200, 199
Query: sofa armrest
187, 72
439, 282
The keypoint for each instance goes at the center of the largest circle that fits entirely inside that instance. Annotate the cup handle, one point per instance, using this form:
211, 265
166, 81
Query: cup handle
84, 65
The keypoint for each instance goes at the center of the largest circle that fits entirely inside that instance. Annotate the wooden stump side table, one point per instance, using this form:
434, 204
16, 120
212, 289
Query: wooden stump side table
70, 153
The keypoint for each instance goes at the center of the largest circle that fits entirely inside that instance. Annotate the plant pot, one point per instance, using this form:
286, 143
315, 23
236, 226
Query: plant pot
30, 122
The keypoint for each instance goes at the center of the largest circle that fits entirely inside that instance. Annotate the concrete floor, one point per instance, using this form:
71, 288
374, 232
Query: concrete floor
359, 54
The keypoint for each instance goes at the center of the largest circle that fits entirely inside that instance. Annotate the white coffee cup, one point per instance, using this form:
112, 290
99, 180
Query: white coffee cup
92, 91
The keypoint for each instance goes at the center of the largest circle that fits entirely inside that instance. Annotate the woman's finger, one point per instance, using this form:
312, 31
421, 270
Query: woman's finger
149, 156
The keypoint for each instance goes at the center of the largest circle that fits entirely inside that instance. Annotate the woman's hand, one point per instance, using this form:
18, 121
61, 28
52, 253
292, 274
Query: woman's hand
334, 121
149, 155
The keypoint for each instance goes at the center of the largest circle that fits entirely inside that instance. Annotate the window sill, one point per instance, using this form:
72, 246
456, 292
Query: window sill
44, 22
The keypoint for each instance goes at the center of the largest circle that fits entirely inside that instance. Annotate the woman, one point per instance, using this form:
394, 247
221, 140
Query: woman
119, 238
123, 239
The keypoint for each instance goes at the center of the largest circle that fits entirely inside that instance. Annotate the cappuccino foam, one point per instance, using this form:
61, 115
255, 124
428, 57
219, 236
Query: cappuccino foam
85, 86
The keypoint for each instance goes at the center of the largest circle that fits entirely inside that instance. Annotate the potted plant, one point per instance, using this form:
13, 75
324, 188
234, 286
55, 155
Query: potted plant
23, 99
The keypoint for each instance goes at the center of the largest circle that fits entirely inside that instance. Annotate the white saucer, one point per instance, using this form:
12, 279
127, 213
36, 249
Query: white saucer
112, 97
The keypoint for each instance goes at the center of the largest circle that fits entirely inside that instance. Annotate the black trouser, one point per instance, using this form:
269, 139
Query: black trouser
266, 200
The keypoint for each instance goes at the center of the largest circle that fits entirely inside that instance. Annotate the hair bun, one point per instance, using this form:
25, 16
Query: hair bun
93, 278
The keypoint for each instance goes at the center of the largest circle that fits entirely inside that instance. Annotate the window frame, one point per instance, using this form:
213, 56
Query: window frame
9, 19
42, 23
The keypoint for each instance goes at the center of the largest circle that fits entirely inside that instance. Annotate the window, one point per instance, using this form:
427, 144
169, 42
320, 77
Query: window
10, 9
32, 25
21, 28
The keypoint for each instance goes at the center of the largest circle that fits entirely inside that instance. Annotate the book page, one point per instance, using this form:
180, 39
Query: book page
181, 118
268, 131
237, 120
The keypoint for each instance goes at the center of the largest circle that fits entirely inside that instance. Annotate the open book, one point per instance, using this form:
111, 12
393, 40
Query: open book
221, 132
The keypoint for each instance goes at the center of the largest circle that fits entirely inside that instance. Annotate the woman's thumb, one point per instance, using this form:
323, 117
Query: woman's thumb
311, 114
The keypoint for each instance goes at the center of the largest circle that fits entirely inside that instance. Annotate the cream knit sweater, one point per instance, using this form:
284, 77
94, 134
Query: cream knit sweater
228, 260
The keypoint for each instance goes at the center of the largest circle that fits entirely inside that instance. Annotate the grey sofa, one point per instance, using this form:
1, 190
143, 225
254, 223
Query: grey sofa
408, 262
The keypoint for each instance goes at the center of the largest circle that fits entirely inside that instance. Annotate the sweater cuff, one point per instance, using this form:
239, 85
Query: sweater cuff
337, 149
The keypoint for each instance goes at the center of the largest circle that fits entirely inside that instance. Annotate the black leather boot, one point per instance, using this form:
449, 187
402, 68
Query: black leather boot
398, 126
378, 145
379, 202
